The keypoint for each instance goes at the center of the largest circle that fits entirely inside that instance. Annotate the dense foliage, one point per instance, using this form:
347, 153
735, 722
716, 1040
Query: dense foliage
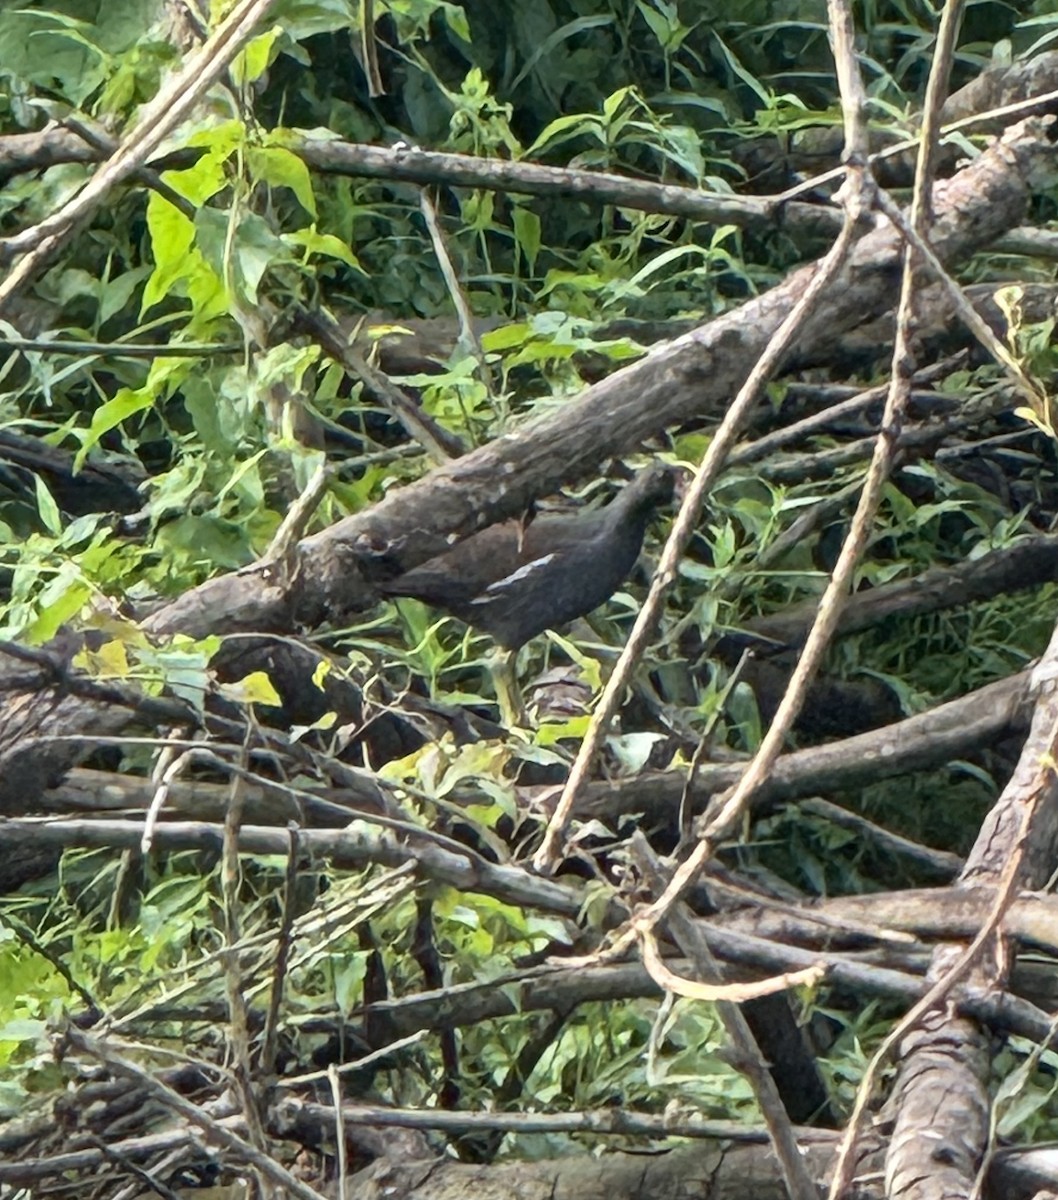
203, 443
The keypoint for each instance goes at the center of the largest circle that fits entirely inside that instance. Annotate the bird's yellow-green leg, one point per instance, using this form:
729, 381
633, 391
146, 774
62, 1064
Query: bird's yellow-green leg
508, 694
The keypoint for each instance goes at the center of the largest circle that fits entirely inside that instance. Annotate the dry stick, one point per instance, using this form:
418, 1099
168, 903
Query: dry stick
971, 318
339, 1132
215, 1132
599, 1122
29, 1170
270, 1039
748, 1059
238, 1017
1006, 894
294, 525
607, 1122
168, 766
683, 528
157, 120
141, 1176
769, 443
832, 603
455, 290
731, 993
900, 391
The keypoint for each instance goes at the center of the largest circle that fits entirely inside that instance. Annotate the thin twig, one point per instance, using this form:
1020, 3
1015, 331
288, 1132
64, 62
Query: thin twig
215, 1132
729, 811
748, 1058
238, 1017
157, 119
467, 333
295, 523
167, 767
282, 958
900, 389
1006, 894
682, 530
339, 1132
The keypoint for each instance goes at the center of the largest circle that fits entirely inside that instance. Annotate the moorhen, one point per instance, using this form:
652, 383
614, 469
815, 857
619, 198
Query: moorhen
514, 581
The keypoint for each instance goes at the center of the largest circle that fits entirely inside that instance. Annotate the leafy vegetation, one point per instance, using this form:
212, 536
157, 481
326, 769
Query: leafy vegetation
218, 430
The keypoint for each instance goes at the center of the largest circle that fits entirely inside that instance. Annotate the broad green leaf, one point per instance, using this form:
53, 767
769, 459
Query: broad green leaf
506, 336
183, 666
256, 57
110, 661
281, 168
550, 732
61, 600
171, 237
253, 246
612, 104
562, 128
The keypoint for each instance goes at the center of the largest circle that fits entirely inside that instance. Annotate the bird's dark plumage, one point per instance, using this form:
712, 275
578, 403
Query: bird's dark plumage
514, 582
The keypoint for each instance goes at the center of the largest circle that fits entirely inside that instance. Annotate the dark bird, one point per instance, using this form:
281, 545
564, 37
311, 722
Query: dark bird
513, 581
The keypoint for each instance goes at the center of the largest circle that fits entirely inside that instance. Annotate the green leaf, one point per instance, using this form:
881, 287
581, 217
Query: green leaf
125, 403
280, 168
550, 732
613, 103
660, 261
567, 127
323, 243
348, 981
47, 508
253, 246
527, 231
256, 57
61, 600
183, 666
22, 1030
171, 237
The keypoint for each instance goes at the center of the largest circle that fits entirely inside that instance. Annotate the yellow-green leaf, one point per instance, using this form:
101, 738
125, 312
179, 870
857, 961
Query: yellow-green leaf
255, 688
255, 58
280, 168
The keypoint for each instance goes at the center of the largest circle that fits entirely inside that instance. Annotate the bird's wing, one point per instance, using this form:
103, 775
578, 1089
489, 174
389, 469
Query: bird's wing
458, 575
